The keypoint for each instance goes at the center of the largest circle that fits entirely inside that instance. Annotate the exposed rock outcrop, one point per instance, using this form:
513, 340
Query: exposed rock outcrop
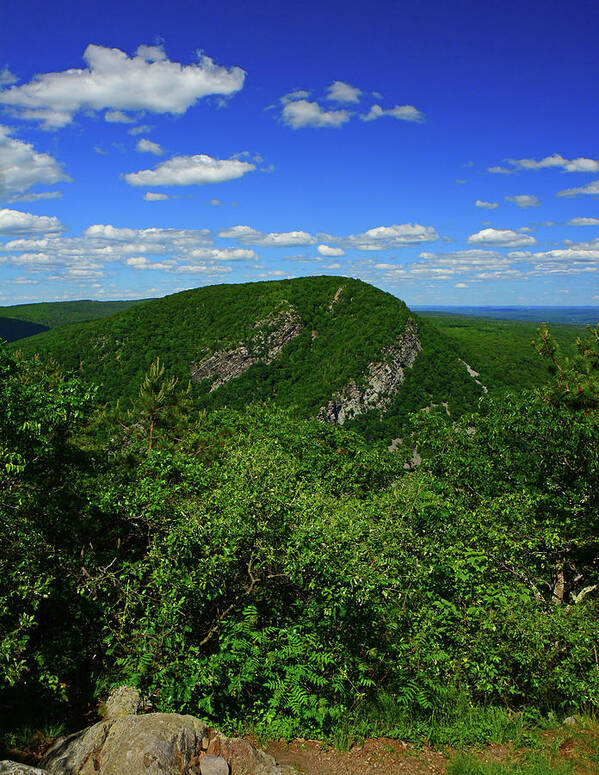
379, 384
272, 334
152, 744
474, 375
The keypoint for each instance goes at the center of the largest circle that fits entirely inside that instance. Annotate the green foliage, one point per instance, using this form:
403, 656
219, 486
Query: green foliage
11, 329
39, 410
335, 344
263, 570
52, 314
534, 764
576, 382
500, 349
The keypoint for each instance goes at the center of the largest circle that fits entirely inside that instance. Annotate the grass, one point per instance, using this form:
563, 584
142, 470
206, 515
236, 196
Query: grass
533, 764
29, 744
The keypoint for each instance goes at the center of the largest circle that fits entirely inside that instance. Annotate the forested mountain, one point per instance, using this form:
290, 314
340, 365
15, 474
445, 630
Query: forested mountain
51, 314
331, 347
12, 329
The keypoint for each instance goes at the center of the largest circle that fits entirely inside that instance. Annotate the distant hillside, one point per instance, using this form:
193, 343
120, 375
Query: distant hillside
51, 314
567, 315
11, 329
501, 350
329, 346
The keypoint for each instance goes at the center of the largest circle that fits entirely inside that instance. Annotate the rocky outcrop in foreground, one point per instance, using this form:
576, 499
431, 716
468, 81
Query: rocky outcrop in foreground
379, 384
124, 743
265, 346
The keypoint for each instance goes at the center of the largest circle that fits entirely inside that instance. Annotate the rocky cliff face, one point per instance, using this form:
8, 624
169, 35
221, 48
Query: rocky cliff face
265, 345
379, 384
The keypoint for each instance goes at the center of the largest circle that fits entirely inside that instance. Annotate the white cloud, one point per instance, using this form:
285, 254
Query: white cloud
585, 254
115, 81
397, 235
190, 171
298, 94
339, 91
504, 237
500, 171
580, 164
523, 200
223, 254
486, 205
215, 202
147, 146
203, 269
401, 112
118, 117
302, 113
23, 167
583, 222
590, 188
151, 196
142, 129
6, 77
326, 250
16, 222
249, 236
36, 197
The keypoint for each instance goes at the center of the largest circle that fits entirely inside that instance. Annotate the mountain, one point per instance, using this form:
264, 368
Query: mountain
501, 350
12, 329
51, 314
331, 347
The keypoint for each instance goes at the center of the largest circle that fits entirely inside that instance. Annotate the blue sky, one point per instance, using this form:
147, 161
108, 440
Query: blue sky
445, 152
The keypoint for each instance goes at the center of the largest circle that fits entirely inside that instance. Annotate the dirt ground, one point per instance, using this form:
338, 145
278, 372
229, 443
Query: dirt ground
394, 757
374, 757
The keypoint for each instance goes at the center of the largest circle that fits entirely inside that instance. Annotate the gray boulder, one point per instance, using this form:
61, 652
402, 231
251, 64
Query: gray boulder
213, 765
156, 744
123, 701
15, 768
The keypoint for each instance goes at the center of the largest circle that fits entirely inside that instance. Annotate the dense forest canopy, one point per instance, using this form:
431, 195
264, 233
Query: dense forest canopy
251, 566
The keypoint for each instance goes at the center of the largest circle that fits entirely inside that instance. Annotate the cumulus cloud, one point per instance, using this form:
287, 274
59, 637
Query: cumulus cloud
486, 205
339, 91
112, 80
302, 113
523, 200
583, 222
7, 78
152, 196
401, 112
190, 171
298, 94
223, 254
504, 237
16, 222
147, 146
23, 167
580, 164
397, 235
118, 117
590, 188
165, 250
326, 250
249, 236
